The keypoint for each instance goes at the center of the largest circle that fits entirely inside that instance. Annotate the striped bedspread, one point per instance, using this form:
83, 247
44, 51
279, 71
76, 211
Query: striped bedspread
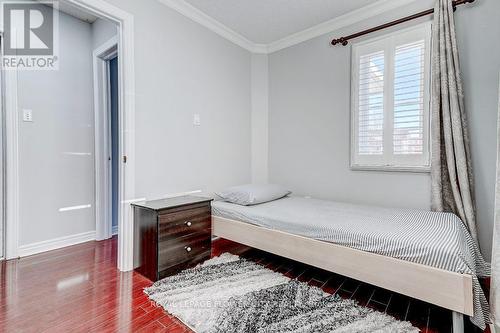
429, 238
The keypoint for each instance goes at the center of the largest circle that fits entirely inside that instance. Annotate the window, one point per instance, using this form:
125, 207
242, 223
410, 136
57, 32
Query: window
390, 107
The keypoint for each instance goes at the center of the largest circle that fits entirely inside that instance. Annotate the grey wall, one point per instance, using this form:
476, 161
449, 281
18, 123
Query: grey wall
478, 32
181, 69
495, 262
309, 122
260, 118
102, 31
184, 69
56, 150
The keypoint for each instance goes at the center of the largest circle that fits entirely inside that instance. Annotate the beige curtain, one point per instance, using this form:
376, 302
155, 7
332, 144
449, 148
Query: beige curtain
495, 256
451, 172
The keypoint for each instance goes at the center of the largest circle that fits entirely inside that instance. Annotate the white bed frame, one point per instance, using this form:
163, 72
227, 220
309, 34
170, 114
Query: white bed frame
447, 289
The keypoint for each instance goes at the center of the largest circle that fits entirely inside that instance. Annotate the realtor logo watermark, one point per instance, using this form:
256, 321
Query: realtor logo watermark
31, 35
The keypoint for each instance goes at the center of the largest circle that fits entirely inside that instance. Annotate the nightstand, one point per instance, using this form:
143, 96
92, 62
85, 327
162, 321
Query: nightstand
171, 235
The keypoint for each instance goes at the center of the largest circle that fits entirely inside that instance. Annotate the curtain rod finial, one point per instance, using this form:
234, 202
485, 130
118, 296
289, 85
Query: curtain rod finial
341, 40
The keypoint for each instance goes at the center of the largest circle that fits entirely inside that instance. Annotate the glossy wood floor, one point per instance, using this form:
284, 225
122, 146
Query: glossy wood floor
79, 289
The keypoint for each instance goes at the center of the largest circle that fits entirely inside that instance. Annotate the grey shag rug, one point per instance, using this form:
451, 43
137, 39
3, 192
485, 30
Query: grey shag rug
231, 294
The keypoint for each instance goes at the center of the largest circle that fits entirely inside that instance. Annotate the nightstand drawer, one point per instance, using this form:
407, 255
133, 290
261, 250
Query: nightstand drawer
199, 222
184, 215
195, 260
180, 250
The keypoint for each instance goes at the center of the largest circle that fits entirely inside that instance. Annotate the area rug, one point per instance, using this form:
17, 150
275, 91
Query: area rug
231, 294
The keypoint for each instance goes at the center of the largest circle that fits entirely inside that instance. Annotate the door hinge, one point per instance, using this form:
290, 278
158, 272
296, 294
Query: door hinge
125, 159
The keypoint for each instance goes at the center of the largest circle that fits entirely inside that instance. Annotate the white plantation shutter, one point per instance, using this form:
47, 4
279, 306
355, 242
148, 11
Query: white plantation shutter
409, 69
391, 101
371, 104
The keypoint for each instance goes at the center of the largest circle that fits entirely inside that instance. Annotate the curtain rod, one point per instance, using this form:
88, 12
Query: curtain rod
345, 40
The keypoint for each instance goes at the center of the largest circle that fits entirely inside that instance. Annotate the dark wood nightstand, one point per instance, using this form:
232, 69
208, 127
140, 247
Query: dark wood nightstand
171, 235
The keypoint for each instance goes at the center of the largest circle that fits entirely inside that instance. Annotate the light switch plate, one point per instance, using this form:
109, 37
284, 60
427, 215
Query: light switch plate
28, 115
196, 120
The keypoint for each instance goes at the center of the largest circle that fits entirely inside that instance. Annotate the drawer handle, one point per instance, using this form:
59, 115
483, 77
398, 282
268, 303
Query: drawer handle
188, 223
188, 249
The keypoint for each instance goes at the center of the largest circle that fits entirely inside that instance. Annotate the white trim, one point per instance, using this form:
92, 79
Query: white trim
364, 13
127, 144
212, 24
385, 168
103, 203
56, 243
126, 66
106, 47
12, 165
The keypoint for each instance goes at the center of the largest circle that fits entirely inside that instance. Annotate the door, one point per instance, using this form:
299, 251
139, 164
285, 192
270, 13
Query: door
115, 158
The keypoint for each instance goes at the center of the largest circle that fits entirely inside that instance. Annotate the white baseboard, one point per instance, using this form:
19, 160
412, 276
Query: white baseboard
54, 244
114, 231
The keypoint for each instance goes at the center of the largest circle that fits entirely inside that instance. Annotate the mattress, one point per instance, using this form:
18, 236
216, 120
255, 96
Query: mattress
430, 238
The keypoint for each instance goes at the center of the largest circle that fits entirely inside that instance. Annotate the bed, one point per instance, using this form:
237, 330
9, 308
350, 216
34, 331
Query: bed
426, 255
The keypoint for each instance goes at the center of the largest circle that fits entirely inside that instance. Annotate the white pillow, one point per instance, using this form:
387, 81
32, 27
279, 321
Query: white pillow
247, 195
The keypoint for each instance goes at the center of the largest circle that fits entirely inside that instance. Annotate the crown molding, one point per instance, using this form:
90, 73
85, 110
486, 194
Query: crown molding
372, 10
358, 15
212, 24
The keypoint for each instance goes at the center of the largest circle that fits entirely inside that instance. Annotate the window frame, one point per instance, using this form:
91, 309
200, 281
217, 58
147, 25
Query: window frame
389, 40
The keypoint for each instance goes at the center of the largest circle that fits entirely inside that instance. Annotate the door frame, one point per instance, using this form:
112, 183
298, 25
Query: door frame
11, 155
103, 204
126, 72
125, 22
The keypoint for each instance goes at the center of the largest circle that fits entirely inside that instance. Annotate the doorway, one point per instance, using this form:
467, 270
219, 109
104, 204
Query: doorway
114, 140
107, 138
124, 43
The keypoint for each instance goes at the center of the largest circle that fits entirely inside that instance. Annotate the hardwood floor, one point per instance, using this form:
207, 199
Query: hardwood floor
79, 289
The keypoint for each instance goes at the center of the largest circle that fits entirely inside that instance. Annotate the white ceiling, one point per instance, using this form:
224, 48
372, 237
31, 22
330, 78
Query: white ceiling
267, 21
